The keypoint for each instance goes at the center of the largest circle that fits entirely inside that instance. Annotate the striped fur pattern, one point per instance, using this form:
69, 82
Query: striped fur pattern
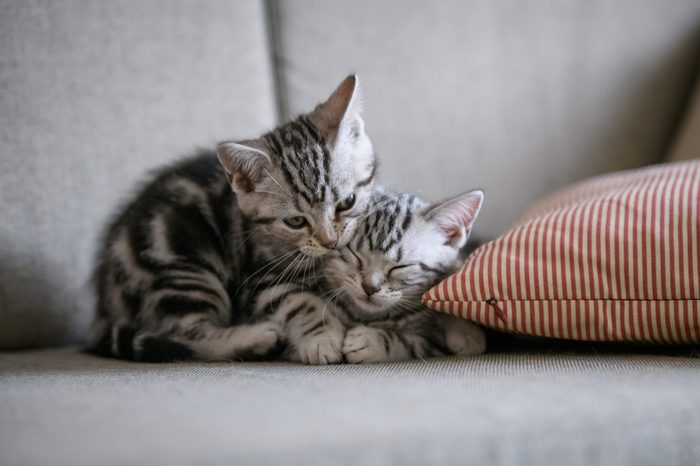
369, 308
181, 264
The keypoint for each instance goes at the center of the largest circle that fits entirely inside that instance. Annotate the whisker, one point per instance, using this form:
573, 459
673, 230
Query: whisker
374, 208
278, 184
272, 193
271, 263
245, 240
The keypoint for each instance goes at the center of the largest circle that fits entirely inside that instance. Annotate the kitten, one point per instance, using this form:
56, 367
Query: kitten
180, 264
367, 306
404, 249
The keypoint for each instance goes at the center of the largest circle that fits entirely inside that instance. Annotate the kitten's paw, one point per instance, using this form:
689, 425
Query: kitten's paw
323, 349
364, 344
464, 338
260, 339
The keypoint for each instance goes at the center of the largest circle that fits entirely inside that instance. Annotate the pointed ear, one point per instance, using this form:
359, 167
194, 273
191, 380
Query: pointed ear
341, 114
244, 164
455, 217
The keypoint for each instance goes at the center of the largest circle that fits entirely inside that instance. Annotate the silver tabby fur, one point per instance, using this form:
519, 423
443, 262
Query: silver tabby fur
366, 307
181, 263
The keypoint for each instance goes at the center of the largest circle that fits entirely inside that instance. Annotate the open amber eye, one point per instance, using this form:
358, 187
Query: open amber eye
296, 222
346, 203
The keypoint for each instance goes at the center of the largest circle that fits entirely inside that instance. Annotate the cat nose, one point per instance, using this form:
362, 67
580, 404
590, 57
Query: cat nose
369, 289
329, 243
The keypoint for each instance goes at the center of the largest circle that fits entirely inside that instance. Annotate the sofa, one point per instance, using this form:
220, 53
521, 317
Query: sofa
517, 98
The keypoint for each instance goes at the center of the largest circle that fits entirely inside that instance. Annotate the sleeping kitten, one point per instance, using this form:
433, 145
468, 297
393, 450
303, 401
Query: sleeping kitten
367, 306
181, 262
404, 249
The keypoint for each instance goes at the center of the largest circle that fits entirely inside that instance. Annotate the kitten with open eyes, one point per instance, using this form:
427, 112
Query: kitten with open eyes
367, 308
181, 263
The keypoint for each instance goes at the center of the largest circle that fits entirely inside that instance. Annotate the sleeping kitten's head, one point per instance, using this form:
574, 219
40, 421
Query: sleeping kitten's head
307, 182
403, 248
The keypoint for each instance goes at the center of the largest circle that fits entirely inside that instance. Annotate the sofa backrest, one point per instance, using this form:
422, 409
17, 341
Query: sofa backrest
515, 97
92, 95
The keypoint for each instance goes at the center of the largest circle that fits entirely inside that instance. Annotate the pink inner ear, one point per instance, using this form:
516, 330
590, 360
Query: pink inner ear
244, 165
451, 238
456, 218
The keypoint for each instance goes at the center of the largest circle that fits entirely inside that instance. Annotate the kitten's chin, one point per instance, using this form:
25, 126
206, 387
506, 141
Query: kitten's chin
368, 305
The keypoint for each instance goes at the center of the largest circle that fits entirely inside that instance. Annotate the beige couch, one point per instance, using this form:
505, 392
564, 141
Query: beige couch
515, 97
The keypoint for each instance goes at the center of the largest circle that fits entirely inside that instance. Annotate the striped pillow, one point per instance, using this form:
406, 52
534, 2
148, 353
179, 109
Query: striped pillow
613, 258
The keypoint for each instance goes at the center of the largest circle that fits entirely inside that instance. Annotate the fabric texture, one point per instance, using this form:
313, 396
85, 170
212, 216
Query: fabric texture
93, 94
62, 408
518, 98
614, 258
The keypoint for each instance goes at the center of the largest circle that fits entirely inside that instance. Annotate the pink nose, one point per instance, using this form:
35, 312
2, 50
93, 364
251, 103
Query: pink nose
369, 289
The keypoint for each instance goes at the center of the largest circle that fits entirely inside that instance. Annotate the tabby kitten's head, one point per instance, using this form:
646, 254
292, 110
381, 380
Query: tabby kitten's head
403, 248
307, 182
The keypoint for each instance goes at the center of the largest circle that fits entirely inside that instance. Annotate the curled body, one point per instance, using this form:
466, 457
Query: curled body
181, 263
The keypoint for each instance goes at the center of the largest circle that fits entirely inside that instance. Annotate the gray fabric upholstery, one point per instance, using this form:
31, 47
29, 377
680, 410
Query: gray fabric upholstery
92, 94
58, 407
516, 97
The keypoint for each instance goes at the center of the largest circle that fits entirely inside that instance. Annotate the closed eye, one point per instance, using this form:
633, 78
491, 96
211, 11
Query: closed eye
399, 267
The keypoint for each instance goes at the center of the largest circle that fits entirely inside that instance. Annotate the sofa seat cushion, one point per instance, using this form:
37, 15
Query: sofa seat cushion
61, 407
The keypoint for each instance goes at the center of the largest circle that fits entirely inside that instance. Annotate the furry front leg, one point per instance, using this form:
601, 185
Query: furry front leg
314, 333
462, 338
212, 342
195, 336
369, 344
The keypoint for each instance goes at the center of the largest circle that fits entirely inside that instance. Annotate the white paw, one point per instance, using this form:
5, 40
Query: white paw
321, 349
262, 338
464, 338
364, 344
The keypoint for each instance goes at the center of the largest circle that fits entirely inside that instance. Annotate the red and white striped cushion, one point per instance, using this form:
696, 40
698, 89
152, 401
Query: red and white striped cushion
613, 258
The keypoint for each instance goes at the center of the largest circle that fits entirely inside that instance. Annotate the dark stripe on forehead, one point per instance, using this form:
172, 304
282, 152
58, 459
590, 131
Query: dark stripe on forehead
320, 141
303, 156
284, 166
278, 144
369, 236
314, 133
293, 136
407, 220
386, 226
394, 233
307, 152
